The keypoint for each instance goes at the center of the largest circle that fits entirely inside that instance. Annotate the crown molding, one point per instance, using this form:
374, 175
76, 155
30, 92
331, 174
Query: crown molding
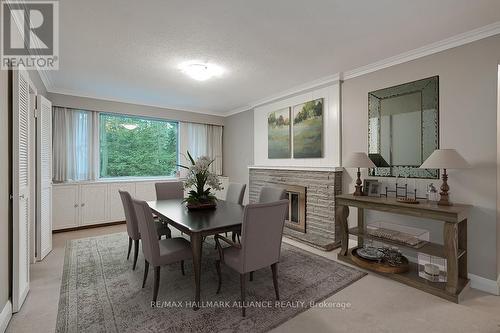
445, 44
69, 92
324, 81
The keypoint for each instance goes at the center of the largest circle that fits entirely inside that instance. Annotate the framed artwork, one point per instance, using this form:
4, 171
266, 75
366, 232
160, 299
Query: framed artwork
308, 129
278, 134
374, 189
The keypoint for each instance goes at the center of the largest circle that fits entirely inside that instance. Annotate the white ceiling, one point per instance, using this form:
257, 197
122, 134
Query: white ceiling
129, 50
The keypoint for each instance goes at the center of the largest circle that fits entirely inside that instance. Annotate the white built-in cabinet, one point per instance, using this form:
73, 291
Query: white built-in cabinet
92, 203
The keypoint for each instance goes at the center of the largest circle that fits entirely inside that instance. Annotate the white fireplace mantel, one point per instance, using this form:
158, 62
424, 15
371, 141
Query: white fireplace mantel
297, 168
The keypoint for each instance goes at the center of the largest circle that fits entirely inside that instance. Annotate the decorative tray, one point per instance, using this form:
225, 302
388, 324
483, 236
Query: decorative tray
379, 266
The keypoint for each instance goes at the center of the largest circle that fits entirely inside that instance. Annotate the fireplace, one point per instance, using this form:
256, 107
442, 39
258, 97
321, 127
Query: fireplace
296, 217
311, 192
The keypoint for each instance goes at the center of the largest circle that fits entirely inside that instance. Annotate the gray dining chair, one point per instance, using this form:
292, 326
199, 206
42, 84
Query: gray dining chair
169, 190
236, 193
133, 229
156, 252
271, 194
267, 194
260, 246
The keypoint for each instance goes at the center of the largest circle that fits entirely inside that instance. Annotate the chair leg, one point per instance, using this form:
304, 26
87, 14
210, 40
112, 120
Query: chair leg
157, 283
243, 278
251, 276
234, 236
129, 247
274, 268
146, 271
182, 267
136, 252
217, 267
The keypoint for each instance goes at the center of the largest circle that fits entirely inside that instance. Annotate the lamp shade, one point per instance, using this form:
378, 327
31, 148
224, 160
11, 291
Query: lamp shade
445, 159
359, 160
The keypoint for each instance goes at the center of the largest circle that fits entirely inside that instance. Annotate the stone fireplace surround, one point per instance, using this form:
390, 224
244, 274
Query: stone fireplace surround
322, 184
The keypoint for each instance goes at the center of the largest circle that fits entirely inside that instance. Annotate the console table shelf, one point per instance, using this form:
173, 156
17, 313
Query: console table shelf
454, 248
433, 249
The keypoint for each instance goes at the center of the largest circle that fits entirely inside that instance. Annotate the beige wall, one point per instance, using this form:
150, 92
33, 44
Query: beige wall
134, 109
4, 189
468, 122
238, 149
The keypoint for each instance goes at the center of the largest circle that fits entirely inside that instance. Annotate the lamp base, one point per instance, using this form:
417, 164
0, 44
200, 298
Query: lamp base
444, 199
359, 188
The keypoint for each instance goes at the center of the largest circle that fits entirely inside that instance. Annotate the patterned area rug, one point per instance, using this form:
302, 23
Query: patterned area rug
101, 293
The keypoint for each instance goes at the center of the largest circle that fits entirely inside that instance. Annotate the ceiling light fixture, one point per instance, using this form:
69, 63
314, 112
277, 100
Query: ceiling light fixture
200, 71
129, 126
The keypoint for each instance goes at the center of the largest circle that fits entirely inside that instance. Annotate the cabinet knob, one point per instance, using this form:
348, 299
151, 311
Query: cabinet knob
76, 205
83, 205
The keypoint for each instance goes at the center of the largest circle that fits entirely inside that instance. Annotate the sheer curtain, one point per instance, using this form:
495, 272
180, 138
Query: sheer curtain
203, 140
75, 144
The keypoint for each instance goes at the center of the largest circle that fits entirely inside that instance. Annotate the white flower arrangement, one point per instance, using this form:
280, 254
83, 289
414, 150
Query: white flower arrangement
199, 176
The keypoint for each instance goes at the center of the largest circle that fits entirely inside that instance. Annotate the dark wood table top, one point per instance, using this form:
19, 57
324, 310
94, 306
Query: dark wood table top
227, 216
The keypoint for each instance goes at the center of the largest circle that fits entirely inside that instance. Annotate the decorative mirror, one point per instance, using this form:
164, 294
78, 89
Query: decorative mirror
403, 128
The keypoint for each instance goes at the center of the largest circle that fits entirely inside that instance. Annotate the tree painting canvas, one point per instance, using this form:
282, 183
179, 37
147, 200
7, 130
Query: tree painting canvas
278, 134
308, 129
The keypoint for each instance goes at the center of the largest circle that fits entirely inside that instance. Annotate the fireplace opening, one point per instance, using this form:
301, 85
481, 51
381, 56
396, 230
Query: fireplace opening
296, 216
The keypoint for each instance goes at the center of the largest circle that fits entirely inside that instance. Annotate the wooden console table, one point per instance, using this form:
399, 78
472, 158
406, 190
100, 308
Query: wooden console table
454, 240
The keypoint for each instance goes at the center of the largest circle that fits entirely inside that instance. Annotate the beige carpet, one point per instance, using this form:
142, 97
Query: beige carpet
100, 292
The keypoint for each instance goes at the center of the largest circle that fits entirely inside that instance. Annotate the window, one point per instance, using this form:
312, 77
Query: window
132, 146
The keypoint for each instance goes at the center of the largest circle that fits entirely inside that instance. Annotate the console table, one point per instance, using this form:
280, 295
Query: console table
454, 247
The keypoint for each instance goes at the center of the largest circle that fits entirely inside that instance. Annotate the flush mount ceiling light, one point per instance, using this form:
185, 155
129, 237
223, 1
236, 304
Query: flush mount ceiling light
129, 126
200, 71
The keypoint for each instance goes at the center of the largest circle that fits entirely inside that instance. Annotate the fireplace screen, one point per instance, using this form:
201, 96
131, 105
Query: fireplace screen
296, 217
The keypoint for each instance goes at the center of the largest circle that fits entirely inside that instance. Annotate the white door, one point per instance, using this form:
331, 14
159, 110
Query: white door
93, 203
65, 198
44, 177
20, 187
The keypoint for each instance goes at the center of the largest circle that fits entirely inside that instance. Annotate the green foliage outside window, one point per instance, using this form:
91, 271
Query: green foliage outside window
137, 147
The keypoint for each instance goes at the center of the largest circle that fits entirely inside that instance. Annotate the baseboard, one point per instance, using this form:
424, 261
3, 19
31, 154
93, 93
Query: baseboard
5, 316
90, 226
483, 284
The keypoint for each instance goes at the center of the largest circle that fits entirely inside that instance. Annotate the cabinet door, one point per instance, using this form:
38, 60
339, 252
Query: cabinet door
93, 203
145, 191
65, 206
115, 206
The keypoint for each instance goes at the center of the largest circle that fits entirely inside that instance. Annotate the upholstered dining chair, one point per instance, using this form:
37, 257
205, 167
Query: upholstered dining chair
271, 194
260, 246
156, 252
267, 194
133, 229
236, 193
169, 190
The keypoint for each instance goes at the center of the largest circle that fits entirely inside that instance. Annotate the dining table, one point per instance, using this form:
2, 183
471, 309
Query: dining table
198, 224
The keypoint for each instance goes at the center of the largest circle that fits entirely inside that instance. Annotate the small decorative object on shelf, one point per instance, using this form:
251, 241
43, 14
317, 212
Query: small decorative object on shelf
391, 261
432, 194
199, 176
432, 268
445, 159
410, 201
397, 233
402, 194
359, 160
374, 189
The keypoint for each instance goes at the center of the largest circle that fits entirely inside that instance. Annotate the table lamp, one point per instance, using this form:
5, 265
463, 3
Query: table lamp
445, 159
359, 160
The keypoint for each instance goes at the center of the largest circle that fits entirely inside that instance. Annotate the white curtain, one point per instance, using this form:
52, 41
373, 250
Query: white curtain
203, 140
75, 144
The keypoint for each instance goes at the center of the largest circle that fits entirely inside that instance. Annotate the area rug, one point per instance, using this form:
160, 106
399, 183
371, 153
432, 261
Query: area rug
101, 293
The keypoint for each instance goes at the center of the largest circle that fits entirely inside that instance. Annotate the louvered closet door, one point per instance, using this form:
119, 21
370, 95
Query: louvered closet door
44, 177
21, 188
